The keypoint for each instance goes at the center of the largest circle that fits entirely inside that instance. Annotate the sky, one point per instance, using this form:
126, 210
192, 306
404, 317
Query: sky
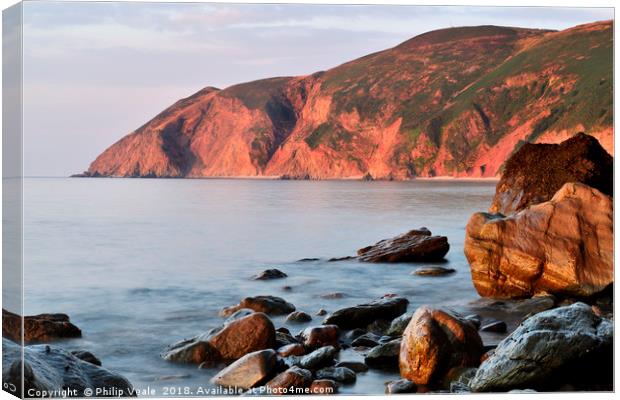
94, 72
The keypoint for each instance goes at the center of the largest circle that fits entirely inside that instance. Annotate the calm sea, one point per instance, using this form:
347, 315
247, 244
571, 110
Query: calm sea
142, 263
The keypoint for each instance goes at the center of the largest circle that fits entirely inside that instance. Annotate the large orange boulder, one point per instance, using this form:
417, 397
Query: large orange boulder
435, 341
562, 246
535, 172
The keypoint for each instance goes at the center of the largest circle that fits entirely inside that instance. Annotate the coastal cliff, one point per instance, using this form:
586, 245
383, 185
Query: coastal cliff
453, 102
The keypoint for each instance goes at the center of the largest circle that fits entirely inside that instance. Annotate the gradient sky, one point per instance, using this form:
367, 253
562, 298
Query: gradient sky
94, 72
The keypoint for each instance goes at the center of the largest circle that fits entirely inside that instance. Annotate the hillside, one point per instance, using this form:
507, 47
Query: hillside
452, 102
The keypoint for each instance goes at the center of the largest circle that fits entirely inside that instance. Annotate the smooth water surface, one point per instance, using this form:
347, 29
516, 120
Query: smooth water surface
139, 264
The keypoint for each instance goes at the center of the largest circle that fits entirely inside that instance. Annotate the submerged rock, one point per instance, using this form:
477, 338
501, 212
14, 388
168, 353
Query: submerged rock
565, 345
87, 356
563, 246
433, 271
435, 341
535, 172
249, 371
354, 366
50, 369
38, 328
415, 245
230, 342
298, 317
266, 304
338, 374
269, 274
360, 316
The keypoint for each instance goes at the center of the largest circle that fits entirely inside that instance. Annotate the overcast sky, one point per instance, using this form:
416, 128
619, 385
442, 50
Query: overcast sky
94, 72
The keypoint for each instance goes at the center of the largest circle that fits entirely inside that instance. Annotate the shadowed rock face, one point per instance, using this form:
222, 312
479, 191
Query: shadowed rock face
50, 368
415, 245
564, 345
537, 171
249, 371
38, 328
434, 342
562, 246
362, 315
453, 102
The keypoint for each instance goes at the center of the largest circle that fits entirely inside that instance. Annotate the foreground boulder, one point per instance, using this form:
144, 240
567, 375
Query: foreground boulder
415, 245
230, 342
435, 341
563, 246
361, 315
293, 377
38, 328
535, 172
564, 345
266, 304
249, 371
319, 336
49, 369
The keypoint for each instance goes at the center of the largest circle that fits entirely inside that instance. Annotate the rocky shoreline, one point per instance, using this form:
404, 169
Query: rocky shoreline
546, 261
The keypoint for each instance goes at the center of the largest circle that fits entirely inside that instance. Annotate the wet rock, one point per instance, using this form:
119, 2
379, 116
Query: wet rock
474, 319
366, 340
338, 374
433, 271
38, 328
323, 386
535, 172
318, 358
234, 340
87, 356
354, 366
400, 386
564, 345
364, 314
249, 371
353, 334
266, 304
563, 246
345, 258
295, 349
51, 369
495, 326
435, 341
293, 377
308, 259
398, 325
378, 327
318, 336
243, 312
457, 379
384, 356
283, 329
284, 339
298, 317
269, 274
415, 245
321, 312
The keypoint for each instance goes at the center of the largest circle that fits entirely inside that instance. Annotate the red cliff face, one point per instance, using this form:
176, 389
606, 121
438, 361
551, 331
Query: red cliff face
453, 102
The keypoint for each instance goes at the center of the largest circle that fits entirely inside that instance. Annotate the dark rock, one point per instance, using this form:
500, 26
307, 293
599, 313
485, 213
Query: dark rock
319, 336
384, 356
564, 345
475, 320
353, 334
338, 374
283, 329
38, 328
266, 304
435, 341
321, 312
378, 327
433, 271
270, 274
415, 245
366, 340
361, 315
230, 342
308, 259
249, 371
284, 339
345, 258
354, 366
48, 369
318, 358
293, 377
496, 326
323, 386
400, 386
243, 312
535, 172
398, 325
87, 356
458, 378
298, 317
333, 296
